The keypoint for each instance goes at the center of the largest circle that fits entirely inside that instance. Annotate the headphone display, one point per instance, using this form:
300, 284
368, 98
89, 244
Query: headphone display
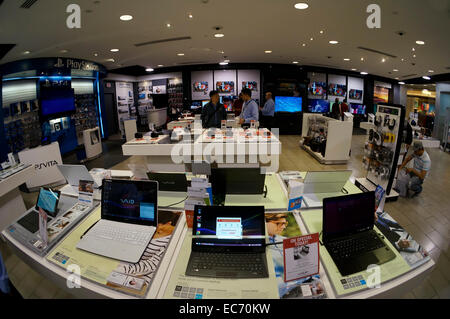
391, 124
378, 120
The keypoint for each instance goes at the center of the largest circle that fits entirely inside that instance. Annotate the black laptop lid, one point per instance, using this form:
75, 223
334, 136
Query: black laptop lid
229, 229
247, 181
347, 215
170, 182
132, 202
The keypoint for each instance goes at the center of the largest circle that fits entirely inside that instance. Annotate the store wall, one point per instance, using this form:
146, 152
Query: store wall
3, 147
226, 76
442, 106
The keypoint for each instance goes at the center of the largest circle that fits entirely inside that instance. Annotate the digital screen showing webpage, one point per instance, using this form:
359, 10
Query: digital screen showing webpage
228, 228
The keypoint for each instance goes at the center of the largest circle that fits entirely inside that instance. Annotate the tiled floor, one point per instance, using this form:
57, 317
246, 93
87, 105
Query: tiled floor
426, 217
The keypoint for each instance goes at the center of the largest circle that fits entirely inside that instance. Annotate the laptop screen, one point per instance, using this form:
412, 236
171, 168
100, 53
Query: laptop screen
130, 201
237, 181
233, 227
347, 215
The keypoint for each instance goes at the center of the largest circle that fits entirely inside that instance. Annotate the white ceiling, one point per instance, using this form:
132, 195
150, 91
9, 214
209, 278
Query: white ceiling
250, 27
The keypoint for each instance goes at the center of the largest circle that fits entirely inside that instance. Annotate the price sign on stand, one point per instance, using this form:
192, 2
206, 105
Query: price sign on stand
86, 192
301, 257
43, 217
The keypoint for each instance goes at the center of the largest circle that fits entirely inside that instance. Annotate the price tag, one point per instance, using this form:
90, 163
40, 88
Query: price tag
86, 192
301, 257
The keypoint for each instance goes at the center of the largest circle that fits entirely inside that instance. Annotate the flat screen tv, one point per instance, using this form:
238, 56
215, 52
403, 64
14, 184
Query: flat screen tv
252, 85
200, 86
337, 89
317, 88
355, 94
318, 106
288, 104
57, 101
225, 86
357, 109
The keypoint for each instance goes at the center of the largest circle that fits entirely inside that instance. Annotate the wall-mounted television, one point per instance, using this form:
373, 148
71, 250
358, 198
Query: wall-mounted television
289, 104
252, 85
357, 109
318, 106
57, 101
225, 86
355, 94
200, 86
317, 88
337, 89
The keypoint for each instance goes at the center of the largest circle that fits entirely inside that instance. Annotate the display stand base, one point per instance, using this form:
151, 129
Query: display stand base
367, 186
322, 159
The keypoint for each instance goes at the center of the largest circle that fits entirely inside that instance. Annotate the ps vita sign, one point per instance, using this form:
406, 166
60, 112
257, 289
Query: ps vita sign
76, 64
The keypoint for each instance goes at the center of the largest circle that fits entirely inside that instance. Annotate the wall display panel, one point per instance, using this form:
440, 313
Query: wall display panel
202, 84
225, 81
380, 94
317, 87
82, 86
249, 79
356, 90
18, 91
337, 87
125, 103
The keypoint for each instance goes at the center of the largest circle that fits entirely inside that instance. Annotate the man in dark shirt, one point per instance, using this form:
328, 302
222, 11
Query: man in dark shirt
214, 112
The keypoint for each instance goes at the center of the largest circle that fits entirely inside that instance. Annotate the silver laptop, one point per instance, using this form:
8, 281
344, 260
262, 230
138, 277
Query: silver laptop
74, 173
128, 220
323, 184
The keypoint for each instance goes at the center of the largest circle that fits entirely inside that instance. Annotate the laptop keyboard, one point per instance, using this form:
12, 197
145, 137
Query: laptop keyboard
122, 235
353, 247
31, 221
251, 263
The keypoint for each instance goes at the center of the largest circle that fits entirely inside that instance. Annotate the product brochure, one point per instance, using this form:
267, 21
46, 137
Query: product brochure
281, 226
129, 278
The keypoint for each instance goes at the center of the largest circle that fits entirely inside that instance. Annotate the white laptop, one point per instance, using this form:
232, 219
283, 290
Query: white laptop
128, 220
74, 173
323, 184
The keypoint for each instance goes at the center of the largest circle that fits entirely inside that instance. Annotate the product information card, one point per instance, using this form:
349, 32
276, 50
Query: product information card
301, 257
86, 193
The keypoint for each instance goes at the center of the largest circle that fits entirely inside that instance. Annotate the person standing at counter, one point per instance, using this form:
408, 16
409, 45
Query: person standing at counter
250, 110
336, 110
344, 108
214, 112
268, 111
237, 105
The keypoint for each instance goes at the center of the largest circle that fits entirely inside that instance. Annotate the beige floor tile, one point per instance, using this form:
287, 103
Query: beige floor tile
409, 295
439, 283
46, 290
424, 290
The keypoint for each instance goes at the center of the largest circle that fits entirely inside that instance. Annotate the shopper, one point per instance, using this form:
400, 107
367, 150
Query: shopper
268, 111
344, 108
412, 178
214, 112
7, 289
249, 109
237, 105
336, 110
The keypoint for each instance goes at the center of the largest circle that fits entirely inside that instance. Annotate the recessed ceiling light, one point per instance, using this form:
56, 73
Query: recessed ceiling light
160, 65
311, 39
114, 50
64, 51
413, 49
126, 17
180, 54
419, 42
321, 32
301, 6
190, 16
303, 44
333, 42
268, 51
223, 63
346, 59
362, 59
295, 62
401, 83
219, 35
426, 77
353, 69
383, 60
95, 54
403, 60
414, 55
149, 70
222, 52
430, 71
364, 73
110, 60
168, 25
397, 78
26, 52
395, 70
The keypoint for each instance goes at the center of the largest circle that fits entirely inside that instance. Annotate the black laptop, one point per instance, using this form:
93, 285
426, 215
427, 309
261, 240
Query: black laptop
228, 242
243, 181
348, 233
170, 182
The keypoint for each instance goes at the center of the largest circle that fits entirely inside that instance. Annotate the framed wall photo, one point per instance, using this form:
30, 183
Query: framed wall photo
355, 94
200, 86
225, 86
252, 85
337, 89
317, 88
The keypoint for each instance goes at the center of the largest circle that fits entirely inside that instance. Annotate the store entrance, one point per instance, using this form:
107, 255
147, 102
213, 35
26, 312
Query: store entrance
111, 112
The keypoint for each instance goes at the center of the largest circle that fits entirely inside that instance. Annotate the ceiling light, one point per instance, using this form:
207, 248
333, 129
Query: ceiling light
64, 51
301, 6
311, 39
168, 25
26, 52
383, 60
333, 42
190, 16
362, 59
425, 91
223, 63
401, 83
364, 73
413, 49
126, 17
295, 62
95, 54
426, 77
353, 69
419, 42
267, 51
321, 32
397, 78
180, 54
303, 44
346, 59
219, 35
149, 70
414, 55
395, 70
110, 60
114, 50
160, 65
430, 71
403, 59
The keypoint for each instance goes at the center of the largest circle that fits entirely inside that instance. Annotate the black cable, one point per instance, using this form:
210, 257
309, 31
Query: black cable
270, 244
344, 190
177, 202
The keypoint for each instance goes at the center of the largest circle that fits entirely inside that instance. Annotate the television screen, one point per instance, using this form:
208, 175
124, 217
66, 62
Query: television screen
355, 94
357, 109
196, 104
225, 86
200, 86
337, 89
317, 88
57, 100
288, 104
318, 106
204, 102
252, 85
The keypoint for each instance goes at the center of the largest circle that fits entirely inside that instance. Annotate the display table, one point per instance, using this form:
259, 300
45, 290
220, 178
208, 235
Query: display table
11, 202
